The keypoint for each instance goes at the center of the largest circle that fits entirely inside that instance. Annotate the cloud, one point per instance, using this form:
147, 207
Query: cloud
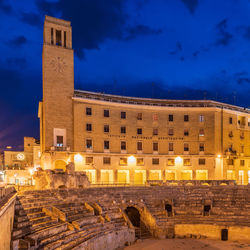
17, 42
31, 19
191, 5
141, 30
95, 21
5, 7
224, 36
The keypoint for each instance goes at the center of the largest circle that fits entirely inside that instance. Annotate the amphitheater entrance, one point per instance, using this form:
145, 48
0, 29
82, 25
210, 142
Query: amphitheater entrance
224, 234
134, 216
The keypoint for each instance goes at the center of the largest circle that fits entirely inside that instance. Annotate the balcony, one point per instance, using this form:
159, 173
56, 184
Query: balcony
55, 148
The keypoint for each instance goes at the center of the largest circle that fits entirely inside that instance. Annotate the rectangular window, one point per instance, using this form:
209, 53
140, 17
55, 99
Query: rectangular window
106, 144
155, 146
171, 146
230, 134
88, 111
155, 131
139, 116
52, 36
123, 130
155, 161
201, 132
242, 163
89, 160
58, 37
186, 147
230, 120
171, 131
139, 131
59, 141
123, 115
155, 117
230, 162
186, 162
202, 147
186, 118
88, 127
242, 135
186, 132
139, 161
89, 144
139, 146
201, 118
171, 162
202, 161
241, 149
123, 161
123, 145
170, 118
106, 128
106, 160
106, 113
65, 41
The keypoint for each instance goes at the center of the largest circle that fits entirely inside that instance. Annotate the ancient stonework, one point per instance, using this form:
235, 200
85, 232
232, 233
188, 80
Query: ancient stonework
50, 179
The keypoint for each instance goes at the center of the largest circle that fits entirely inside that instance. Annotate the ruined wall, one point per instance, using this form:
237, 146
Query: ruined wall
7, 207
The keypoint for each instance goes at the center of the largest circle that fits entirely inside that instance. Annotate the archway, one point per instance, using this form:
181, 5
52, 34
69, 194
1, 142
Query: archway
134, 216
60, 164
224, 234
169, 209
206, 210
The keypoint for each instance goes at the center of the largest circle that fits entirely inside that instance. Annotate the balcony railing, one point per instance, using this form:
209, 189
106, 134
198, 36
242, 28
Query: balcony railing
55, 148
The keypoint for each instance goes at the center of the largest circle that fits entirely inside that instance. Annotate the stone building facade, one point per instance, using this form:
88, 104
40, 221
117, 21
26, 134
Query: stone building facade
127, 140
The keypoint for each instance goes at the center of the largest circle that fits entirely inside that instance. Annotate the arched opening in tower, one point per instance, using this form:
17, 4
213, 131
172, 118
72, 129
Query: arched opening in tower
224, 234
133, 215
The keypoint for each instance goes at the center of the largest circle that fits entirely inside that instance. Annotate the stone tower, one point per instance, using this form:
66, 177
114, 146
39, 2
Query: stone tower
55, 111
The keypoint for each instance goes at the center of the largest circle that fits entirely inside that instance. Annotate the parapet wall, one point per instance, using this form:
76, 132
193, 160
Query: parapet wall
7, 208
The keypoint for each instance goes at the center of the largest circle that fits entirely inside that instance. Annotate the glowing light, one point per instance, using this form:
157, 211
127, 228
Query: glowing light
131, 159
31, 171
218, 156
78, 158
9, 147
178, 160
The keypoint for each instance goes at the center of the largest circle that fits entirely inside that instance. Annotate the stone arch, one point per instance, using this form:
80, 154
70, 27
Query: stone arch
133, 215
60, 164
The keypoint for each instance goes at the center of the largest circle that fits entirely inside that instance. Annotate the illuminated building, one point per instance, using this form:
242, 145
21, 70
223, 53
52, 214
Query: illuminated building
118, 139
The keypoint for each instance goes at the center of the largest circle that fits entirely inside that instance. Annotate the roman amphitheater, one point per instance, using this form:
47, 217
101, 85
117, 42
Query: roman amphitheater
116, 170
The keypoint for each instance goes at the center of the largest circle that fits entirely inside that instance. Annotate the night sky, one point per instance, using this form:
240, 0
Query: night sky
173, 49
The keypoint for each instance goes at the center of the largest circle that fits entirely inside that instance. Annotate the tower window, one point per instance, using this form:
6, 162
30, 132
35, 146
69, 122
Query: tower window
186, 147
139, 116
206, 210
58, 37
155, 131
171, 146
65, 41
201, 119
171, 118
186, 132
171, 131
230, 120
52, 36
202, 147
59, 141
155, 161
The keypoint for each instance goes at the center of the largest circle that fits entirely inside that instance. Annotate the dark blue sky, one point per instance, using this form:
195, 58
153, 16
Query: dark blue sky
185, 49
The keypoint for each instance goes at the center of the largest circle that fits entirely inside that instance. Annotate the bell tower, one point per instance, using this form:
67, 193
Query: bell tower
56, 111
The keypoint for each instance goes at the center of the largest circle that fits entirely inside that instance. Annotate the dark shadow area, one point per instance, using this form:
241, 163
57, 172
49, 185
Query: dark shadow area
206, 210
133, 215
224, 234
169, 209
